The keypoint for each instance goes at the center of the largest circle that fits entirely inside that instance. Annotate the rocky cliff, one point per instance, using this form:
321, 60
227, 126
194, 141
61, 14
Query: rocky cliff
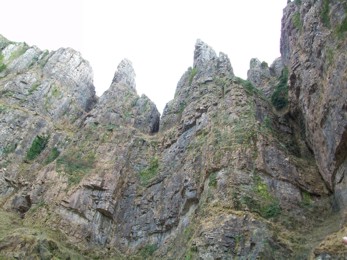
233, 168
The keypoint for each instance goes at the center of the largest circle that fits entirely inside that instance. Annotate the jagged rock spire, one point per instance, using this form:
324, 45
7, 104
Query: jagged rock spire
125, 74
203, 54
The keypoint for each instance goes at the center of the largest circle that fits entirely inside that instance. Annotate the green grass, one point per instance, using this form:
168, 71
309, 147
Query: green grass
262, 201
248, 86
54, 154
264, 65
17, 53
151, 171
3, 108
56, 92
8, 149
75, 165
342, 28
193, 72
213, 180
296, 20
330, 56
148, 250
2, 65
37, 146
279, 98
34, 87
325, 13
306, 199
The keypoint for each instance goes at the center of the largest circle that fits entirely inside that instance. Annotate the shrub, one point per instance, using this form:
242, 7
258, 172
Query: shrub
297, 2
148, 173
279, 98
37, 146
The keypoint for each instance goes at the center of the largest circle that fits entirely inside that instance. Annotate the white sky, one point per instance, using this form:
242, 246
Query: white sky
158, 36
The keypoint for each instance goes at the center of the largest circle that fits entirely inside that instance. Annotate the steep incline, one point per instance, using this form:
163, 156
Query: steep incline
234, 168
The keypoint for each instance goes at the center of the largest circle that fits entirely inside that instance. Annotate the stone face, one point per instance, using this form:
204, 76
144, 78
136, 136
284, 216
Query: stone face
316, 59
221, 175
121, 105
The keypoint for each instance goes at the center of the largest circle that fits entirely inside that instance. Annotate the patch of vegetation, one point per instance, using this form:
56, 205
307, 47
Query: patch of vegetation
193, 72
236, 201
263, 202
264, 65
248, 86
34, 87
148, 250
111, 127
8, 149
2, 65
151, 171
325, 13
306, 199
55, 91
3, 108
296, 20
279, 98
37, 206
330, 56
75, 164
18, 52
342, 28
37, 146
297, 2
182, 107
267, 123
213, 180
54, 154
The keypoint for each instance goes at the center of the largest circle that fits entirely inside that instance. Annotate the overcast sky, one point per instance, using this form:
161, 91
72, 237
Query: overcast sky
158, 36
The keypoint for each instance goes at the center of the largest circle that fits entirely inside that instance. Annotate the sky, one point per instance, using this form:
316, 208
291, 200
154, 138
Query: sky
158, 36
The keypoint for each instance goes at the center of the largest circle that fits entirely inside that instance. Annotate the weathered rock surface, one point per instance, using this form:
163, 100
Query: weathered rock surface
313, 46
221, 175
264, 77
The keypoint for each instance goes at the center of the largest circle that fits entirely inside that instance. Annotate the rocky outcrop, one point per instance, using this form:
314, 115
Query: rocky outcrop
313, 46
120, 104
223, 174
264, 77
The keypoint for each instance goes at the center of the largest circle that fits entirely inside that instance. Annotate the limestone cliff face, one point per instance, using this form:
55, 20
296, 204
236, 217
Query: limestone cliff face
313, 46
224, 173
